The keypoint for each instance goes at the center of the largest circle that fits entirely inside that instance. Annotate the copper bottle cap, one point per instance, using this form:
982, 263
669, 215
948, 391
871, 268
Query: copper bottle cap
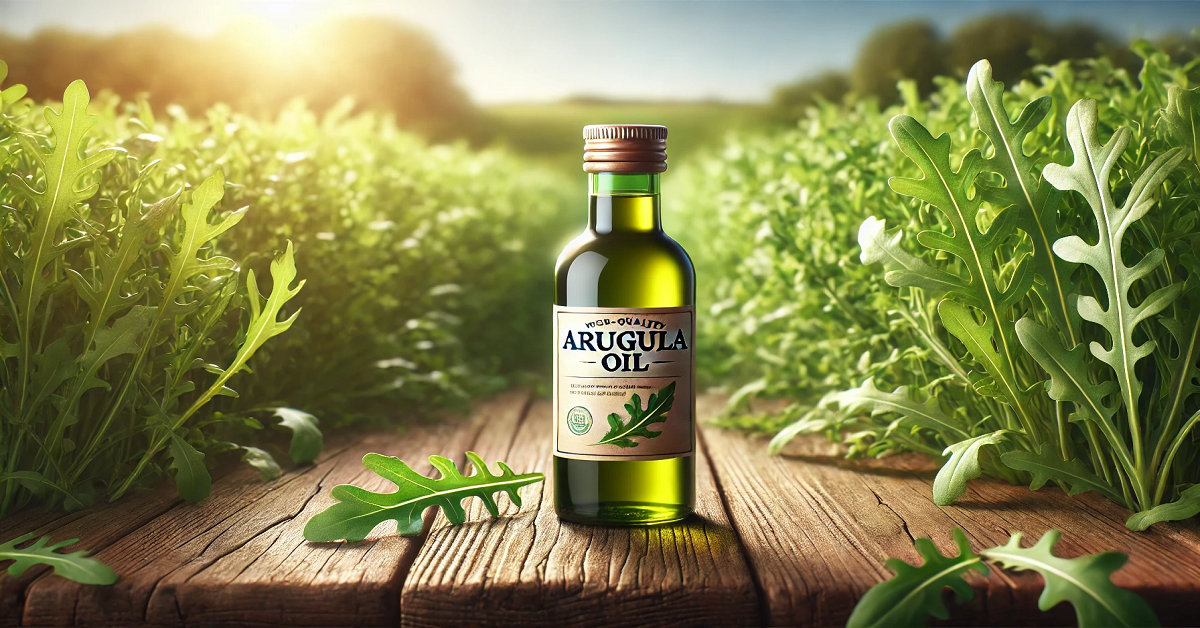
624, 148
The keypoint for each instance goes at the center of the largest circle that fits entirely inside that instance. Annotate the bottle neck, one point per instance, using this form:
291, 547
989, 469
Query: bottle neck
627, 203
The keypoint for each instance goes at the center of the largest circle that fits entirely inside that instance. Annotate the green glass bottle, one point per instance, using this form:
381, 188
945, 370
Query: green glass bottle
624, 400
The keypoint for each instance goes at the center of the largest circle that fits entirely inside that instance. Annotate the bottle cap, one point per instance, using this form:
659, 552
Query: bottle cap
624, 148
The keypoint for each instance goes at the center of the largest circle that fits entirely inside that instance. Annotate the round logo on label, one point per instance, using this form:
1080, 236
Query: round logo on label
579, 420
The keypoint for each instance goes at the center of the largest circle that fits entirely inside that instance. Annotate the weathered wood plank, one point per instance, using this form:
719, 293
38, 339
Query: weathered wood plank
529, 569
97, 527
817, 528
239, 557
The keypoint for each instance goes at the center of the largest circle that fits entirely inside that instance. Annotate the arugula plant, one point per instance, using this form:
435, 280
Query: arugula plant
114, 311
622, 433
915, 593
1045, 327
74, 566
358, 511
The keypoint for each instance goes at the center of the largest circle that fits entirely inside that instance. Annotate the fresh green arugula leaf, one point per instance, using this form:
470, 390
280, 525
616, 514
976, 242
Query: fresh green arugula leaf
1182, 117
1045, 465
1035, 200
950, 192
75, 566
1186, 507
961, 467
358, 511
868, 398
191, 476
915, 593
622, 434
307, 439
262, 460
1089, 176
1084, 582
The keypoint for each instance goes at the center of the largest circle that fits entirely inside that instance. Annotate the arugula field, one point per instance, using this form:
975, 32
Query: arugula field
1041, 326
139, 336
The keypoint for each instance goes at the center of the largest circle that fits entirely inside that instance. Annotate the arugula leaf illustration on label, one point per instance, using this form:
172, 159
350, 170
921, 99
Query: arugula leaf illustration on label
622, 434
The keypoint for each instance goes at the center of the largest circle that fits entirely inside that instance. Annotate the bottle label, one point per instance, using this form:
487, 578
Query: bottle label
623, 382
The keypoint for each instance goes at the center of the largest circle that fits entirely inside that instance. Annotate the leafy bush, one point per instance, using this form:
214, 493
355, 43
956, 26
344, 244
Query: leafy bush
130, 297
426, 265
991, 335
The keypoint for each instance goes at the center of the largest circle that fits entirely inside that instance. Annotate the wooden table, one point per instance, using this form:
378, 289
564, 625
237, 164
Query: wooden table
781, 541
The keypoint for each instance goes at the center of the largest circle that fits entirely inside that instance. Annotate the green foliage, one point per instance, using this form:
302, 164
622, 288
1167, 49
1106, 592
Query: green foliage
131, 307
73, 566
915, 593
307, 439
1054, 304
108, 305
359, 511
1083, 581
621, 433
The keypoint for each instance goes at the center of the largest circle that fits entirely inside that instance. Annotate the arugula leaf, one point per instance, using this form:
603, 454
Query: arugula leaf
1186, 507
12, 94
191, 476
1089, 176
1182, 117
262, 460
1044, 465
1083, 581
962, 466
902, 268
868, 398
307, 439
915, 593
1035, 200
264, 325
74, 566
68, 182
950, 192
358, 511
1069, 381
657, 406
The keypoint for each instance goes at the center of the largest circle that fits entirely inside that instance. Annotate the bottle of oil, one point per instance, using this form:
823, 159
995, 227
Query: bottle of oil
624, 320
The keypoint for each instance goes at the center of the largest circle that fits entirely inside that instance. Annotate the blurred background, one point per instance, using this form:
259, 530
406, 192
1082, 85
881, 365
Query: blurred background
528, 74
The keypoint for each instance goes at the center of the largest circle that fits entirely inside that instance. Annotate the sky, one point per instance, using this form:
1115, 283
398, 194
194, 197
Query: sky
545, 50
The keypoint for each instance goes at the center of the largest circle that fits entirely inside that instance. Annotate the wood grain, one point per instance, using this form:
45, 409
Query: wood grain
529, 569
817, 529
791, 540
239, 557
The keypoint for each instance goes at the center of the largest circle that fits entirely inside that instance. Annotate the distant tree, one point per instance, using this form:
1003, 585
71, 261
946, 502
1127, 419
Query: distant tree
909, 50
789, 101
1015, 42
383, 65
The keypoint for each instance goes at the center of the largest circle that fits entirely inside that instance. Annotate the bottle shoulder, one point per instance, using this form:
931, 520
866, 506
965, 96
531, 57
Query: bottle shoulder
622, 249
627, 270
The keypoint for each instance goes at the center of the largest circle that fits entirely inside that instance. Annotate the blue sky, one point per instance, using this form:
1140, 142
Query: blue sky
541, 50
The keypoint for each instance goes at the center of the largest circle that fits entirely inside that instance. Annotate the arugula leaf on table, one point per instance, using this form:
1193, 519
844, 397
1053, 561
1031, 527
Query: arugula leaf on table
1186, 507
915, 593
658, 405
358, 511
75, 566
1084, 582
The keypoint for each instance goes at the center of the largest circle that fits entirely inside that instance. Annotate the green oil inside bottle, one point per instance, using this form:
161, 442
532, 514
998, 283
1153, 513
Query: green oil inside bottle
624, 259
